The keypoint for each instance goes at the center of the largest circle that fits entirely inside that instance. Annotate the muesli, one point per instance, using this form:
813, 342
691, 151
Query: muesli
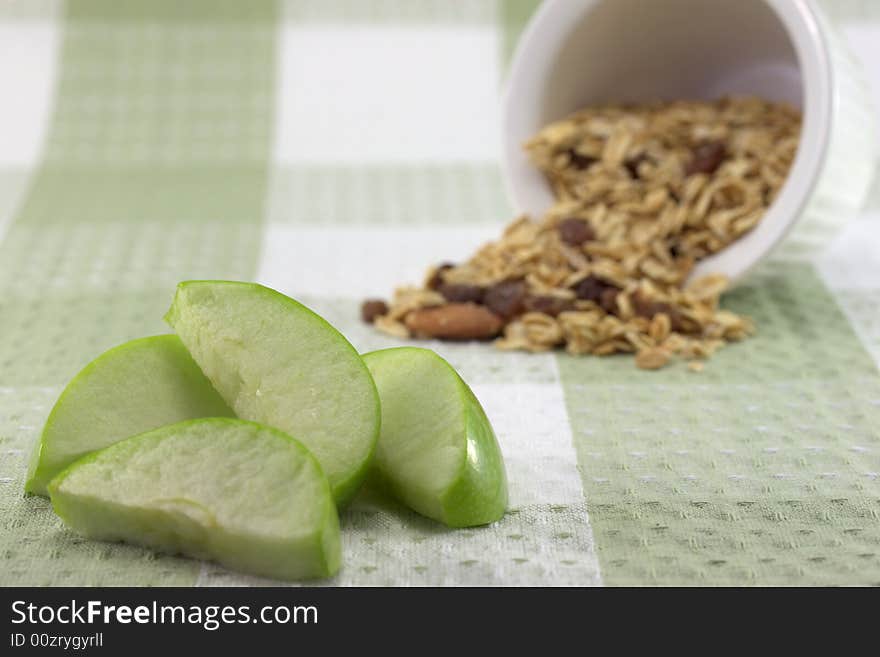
643, 193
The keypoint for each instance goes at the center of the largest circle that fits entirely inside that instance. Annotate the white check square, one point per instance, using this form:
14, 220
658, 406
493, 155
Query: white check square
388, 94
27, 70
531, 423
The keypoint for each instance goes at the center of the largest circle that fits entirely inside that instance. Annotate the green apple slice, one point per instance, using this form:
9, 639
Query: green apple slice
247, 496
276, 362
437, 452
137, 386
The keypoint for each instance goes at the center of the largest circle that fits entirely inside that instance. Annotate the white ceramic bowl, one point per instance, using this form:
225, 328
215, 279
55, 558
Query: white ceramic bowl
580, 52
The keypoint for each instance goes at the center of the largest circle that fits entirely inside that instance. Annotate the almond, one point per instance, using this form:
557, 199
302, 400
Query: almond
454, 321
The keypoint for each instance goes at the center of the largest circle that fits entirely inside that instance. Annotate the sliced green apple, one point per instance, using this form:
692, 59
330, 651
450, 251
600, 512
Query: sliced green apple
276, 362
132, 388
247, 496
437, 452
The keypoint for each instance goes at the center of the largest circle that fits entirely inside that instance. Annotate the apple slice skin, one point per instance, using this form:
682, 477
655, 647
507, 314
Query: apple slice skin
242, 494
133, 387
480, 496
244, 338
476, 493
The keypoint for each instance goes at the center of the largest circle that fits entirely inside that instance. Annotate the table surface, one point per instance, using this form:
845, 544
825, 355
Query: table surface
331, 149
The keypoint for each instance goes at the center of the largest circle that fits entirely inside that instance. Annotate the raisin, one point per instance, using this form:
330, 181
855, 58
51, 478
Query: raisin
608, 300
461, 293
436, 279
548, 305
591, 288
647, 308
706, 158
506, 299
373, 308
579, 161
575, 231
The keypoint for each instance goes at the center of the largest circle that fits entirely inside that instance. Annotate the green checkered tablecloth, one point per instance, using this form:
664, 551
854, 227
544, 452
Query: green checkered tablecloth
331, 149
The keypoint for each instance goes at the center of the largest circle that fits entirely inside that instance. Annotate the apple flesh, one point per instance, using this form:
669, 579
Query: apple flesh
247, 496
137, 386
276, 362
437, 452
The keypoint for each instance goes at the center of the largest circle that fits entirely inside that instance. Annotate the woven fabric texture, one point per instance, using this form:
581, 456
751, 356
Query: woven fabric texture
333, 149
